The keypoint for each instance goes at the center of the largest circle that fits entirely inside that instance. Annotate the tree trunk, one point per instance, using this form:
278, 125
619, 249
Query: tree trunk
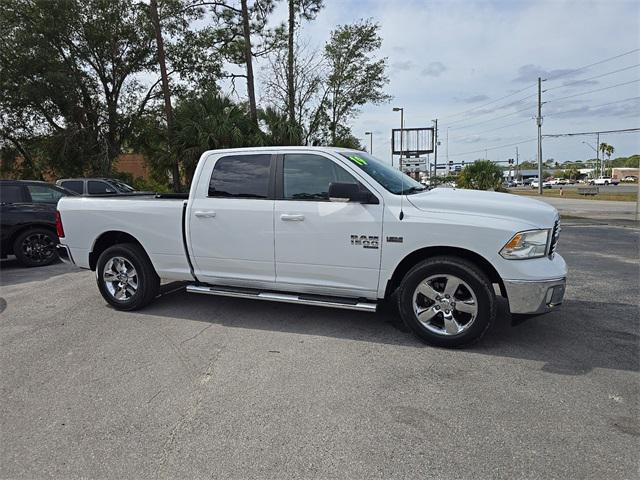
248, 57
291, 94
168, 109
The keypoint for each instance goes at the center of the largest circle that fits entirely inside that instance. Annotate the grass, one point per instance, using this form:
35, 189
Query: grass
570, 193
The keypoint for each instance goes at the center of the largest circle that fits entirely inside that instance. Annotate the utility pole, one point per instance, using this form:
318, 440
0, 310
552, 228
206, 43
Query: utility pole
598, 155
517, 164
435, 150
539, 122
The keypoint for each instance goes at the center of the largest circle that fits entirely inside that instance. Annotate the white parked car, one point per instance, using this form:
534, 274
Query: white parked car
604, 181
326, 227
536, 183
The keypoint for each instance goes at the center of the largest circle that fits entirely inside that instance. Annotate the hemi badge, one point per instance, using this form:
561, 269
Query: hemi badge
394, 239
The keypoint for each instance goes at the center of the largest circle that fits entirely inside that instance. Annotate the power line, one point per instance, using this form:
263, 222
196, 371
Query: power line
492, 148
493, 119
571, 72
592, 106
624, 130
493, 129
592, 78
488, 103
506, 105
593, 91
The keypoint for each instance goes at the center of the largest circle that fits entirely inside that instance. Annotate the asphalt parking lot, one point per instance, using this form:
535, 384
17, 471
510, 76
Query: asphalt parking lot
197, 386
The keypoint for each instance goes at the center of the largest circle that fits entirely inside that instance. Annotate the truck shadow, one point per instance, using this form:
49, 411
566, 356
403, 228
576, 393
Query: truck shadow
13, 273
574, 340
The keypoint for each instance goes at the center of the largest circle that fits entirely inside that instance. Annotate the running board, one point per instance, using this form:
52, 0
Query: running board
317, 300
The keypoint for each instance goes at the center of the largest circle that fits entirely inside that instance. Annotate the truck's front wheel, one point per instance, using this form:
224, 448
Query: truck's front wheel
126, 277
447, 301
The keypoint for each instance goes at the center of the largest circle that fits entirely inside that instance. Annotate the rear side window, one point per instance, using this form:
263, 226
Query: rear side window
241, 176
74, 185
44, 194
11, 194
95, 187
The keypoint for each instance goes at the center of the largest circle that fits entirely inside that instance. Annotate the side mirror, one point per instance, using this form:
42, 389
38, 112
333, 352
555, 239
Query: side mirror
350, 192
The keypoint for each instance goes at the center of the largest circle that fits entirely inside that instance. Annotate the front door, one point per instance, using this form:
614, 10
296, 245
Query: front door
322, 246
231, 222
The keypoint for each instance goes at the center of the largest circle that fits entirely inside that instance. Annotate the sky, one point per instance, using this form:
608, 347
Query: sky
448, 57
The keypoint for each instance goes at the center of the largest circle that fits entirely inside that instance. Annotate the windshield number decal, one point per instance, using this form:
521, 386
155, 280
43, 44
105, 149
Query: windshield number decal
357, 159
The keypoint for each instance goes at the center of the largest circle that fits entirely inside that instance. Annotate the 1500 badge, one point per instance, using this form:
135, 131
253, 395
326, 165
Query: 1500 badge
367, 241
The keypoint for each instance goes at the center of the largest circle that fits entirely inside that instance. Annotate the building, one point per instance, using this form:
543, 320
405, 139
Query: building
621, 172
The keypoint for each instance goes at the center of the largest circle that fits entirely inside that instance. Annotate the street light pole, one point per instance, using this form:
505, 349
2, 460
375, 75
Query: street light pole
370, 142
401, 110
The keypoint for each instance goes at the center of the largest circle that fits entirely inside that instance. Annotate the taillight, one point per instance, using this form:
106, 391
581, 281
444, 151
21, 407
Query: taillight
59, 229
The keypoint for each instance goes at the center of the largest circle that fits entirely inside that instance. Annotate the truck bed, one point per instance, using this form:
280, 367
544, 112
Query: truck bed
156, 221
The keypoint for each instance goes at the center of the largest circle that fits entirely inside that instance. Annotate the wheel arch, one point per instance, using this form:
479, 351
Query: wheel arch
109, 239
428, 252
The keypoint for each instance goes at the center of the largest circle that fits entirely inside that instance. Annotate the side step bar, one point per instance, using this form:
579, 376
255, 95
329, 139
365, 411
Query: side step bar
317, 300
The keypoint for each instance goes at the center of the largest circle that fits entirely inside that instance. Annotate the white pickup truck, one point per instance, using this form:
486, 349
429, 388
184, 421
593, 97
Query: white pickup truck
327, 227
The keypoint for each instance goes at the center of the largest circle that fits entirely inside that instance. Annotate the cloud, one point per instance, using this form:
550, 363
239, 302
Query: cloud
402, 65
474, 99
434, 69
529, 73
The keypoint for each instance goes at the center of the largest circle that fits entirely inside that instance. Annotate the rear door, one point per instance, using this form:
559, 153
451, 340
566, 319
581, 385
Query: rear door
322, 246
231, 221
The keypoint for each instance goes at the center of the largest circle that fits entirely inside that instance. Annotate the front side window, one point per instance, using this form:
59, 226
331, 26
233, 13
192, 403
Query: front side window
98, 187
44, 194
241, 176
307, 177
74, 185
390, 178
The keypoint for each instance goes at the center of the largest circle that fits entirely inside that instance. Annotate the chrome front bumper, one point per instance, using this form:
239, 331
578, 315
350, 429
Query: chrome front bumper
534, 297
65, 254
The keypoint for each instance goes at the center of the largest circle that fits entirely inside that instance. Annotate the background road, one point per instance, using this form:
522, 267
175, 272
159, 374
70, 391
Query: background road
198, 386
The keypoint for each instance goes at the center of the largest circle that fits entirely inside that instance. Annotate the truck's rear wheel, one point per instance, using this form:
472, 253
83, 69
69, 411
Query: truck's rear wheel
126, 278
447, 301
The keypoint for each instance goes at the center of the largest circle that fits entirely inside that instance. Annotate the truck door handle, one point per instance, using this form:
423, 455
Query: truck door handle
291, 218
204, 214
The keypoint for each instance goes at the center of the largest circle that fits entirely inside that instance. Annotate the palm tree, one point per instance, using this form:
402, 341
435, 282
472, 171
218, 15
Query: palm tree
212, 121
607, 150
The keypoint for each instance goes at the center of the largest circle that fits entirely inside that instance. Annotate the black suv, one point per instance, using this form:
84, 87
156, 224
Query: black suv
28, 220
95, 186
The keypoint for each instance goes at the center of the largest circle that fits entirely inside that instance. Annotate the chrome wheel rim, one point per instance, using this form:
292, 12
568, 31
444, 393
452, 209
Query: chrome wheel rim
120, 278
38, 247
445, 304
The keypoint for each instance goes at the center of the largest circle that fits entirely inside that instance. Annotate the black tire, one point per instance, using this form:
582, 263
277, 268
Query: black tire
145, 278
36, 247
474, 282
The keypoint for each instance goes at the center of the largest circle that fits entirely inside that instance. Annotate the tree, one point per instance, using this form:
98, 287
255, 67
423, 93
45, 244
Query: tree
481, 175
70, 77
354, 77
304, 9
308, 81
164, 77
242, 35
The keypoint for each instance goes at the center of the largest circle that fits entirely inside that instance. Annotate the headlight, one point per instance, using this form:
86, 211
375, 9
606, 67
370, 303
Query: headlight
529, 244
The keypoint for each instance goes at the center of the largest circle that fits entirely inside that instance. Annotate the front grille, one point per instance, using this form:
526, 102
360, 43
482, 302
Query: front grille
555, 234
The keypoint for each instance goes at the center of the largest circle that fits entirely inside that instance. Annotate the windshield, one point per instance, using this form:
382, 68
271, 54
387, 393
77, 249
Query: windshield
390, 178
121, 186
